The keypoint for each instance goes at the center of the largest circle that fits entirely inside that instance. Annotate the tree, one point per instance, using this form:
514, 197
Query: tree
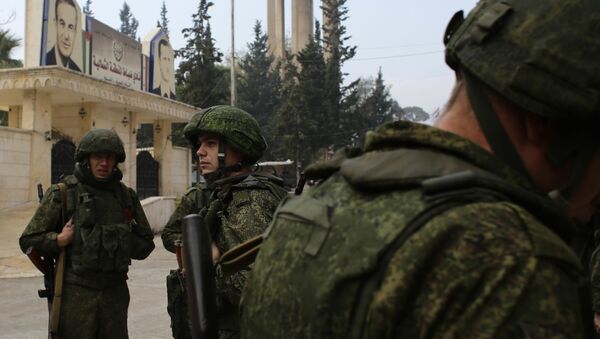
378, 104
312, 95
129, 23
341, 100
87, 8
8, 42
198, 78
164, 21
258, 89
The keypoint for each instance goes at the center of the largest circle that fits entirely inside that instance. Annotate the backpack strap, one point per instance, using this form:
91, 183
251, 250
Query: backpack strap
62, 188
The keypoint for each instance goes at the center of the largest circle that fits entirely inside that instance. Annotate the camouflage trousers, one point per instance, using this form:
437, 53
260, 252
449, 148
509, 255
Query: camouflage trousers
88, 313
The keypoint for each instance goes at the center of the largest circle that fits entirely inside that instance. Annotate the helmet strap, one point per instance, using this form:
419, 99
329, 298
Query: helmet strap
490, 124
223, 169
581, 147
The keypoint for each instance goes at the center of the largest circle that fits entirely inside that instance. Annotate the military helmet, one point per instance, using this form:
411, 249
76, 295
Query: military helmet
239, 129
100, 141
541, 55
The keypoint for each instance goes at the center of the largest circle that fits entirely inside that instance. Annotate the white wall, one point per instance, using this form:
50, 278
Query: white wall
15, 146
181, 170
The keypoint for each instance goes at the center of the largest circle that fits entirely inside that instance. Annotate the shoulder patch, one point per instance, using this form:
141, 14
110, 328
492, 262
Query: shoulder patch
311, 212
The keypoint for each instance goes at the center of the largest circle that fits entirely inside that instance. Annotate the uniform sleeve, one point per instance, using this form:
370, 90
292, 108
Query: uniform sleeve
249, 214
44, 226
142, 236
172, 230
476, 272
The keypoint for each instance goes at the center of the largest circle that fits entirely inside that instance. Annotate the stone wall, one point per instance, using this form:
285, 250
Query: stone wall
15, 163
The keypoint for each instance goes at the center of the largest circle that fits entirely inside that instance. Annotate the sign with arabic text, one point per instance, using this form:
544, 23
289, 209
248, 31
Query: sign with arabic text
114, 57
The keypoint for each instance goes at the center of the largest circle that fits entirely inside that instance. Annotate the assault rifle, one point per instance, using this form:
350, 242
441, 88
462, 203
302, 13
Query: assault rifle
53, 271
44, 265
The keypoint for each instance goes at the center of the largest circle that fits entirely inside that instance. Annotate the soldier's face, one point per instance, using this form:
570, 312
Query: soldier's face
102, 164
66, 27
586, 199
208, 152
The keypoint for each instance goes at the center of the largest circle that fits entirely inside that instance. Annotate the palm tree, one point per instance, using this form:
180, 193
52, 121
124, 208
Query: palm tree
7, 43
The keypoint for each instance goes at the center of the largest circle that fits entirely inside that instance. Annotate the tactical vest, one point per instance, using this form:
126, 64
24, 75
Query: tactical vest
342, 256
103, 227
220, 198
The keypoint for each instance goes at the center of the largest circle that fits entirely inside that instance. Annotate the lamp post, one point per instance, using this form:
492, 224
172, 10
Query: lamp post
232, 54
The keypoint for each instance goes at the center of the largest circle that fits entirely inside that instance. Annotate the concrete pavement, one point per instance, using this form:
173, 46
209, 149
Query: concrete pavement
25, 316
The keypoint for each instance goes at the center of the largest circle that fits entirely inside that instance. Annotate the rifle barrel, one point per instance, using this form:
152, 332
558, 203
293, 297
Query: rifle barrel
200, 277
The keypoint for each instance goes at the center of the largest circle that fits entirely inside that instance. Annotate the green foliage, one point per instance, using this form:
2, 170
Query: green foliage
129, 23
177, 137
340, 100
8, 42
377, 107
259, 83
87, 8
199, 80
164, 21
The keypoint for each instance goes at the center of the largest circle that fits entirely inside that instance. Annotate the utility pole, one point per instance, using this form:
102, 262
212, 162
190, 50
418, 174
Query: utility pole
232, 54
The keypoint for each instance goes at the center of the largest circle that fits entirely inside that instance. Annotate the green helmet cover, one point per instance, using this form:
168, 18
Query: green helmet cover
239, 129
100, 141
541, 55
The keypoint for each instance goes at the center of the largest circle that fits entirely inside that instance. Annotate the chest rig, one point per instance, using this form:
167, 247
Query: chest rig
103, 221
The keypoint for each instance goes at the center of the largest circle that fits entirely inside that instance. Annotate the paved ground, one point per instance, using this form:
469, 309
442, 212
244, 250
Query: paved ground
25, 316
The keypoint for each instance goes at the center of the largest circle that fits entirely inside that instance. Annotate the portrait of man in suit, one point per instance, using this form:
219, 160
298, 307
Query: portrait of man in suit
66, 23
164, 83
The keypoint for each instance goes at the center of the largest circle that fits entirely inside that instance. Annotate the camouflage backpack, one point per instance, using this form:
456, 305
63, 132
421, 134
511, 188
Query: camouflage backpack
341, 263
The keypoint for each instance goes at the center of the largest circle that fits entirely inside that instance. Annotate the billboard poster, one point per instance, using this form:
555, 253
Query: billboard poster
114, 57
161, 78
62, 35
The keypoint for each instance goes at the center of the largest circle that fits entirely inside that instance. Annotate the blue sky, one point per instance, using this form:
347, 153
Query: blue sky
403, 37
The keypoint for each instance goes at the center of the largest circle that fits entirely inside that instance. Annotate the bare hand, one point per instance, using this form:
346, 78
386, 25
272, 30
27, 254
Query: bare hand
216, 255
597, 322
65, 237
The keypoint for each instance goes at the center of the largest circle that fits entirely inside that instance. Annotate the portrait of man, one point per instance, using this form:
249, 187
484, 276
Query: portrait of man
163, 82
66, 23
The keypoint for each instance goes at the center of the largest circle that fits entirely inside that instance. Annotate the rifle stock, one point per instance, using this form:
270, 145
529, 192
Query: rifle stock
199, 277
58, 286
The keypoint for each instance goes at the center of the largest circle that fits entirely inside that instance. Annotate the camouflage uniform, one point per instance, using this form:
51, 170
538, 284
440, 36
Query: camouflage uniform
243, 206
487, 268
240, 207
191, 203
428, 235
110, 229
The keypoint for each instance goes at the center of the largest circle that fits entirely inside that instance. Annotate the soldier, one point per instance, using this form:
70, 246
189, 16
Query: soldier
228, 143
106, 228
447, 231
191, 202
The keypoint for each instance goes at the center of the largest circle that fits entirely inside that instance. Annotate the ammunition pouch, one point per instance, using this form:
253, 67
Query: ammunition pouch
177, 305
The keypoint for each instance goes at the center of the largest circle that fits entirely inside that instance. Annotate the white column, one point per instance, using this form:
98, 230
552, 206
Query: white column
37, 117
302, 24
163, 153
276, 28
